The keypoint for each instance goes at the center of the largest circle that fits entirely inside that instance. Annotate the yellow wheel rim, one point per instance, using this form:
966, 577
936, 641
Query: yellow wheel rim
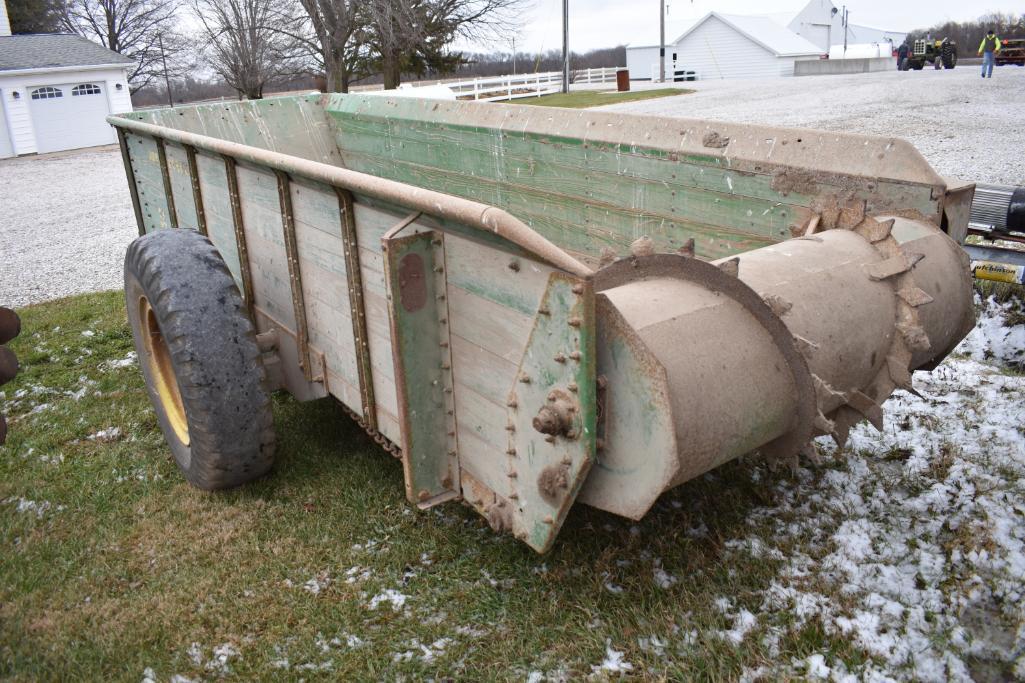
158, 360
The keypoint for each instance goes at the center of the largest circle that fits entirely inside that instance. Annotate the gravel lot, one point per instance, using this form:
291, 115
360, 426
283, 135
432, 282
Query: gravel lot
66, 223
69, 216
965, 126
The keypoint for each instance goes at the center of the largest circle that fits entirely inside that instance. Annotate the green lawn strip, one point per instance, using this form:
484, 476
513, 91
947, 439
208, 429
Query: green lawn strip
136, 566
583, 99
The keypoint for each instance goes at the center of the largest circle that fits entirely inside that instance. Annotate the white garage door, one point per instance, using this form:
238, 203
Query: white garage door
70, 116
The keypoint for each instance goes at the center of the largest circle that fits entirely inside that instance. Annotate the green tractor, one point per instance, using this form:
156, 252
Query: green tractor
939, 53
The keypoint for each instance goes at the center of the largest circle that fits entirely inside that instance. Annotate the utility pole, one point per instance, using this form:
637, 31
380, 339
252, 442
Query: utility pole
565, 46
514, 54
845, 20
661, 42
163, 58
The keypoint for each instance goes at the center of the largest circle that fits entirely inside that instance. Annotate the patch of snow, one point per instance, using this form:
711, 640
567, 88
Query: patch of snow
106, 435
388, 595
33, 507
614, 662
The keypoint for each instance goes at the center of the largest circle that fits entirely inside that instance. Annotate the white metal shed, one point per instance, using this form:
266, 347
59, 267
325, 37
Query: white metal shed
723, 46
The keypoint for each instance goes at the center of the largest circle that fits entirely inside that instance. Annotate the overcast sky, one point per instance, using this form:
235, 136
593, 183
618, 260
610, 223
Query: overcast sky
606, 23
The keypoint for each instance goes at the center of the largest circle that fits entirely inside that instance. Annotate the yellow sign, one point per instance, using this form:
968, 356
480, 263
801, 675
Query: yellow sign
998, 272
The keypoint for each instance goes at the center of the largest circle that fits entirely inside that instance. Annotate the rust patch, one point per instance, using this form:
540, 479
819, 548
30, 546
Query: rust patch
788, 180
714, 140
412, 283
552, 483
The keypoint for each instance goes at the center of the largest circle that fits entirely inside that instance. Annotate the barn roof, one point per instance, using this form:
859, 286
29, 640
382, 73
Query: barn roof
762, 30
54, 51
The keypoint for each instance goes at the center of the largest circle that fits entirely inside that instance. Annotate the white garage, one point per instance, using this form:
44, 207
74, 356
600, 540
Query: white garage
56, 91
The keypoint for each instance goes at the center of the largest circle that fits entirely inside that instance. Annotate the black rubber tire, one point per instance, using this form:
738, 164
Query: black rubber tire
903, 65
917, 65
213, 356
949, 56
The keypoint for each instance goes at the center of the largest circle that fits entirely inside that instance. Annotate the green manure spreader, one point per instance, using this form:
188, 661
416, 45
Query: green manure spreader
529, 306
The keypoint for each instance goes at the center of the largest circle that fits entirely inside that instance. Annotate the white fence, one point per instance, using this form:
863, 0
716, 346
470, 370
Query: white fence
497, 88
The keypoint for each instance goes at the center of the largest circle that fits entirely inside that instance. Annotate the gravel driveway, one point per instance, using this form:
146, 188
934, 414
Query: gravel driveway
965, 126
66, 223
68, 217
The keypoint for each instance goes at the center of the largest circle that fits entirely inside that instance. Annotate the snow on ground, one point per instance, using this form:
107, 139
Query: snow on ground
66, 223
920, 528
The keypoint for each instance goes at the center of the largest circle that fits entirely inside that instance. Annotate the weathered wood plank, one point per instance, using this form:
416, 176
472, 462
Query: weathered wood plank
181, 186
480, 370
217, 207
150, 182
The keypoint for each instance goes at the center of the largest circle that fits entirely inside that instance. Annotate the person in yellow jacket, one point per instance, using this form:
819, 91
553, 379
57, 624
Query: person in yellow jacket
989, 46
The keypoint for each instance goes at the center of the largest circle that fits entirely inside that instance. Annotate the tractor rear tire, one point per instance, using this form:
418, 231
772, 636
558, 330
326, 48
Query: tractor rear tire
917, 65
199, 357
949, 57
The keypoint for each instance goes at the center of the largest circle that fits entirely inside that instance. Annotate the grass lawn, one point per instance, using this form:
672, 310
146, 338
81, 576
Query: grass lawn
583, 99
110, 565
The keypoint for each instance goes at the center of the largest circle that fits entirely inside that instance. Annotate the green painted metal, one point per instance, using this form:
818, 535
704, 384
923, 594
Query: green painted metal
129, 164
557, 371
414, 271
197, 192
166, 178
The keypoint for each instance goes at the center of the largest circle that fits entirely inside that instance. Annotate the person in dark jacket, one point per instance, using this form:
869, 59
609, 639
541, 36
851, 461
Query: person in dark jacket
902, 54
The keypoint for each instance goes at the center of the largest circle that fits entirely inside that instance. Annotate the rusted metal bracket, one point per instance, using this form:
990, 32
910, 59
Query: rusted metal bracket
418, 313
197, 193
354, 282
551, 415
126, 158
240, 235
166, 175
295, 279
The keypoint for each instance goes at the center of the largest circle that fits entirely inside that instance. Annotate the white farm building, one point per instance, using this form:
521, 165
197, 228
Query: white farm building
56, 91
821, 22
721, 46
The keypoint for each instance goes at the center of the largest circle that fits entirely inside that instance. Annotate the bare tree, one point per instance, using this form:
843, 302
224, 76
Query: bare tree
33, 16
132, 28
332, 32
243, 42
412, 36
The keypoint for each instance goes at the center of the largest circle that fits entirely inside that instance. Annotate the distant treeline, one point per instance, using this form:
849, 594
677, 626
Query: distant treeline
970, 33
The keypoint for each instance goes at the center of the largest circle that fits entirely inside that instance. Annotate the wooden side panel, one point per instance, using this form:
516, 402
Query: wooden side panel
328, 313
585, 193
150, 182
213, 184
181, 186
492, 298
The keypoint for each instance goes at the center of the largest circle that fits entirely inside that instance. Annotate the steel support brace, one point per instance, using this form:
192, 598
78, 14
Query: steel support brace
197, 193
240, 236
354, 280
126, 157
295, 278
168, 192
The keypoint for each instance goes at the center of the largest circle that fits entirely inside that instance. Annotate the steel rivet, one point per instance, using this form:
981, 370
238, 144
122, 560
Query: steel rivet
578, 289
572, 387
559, 358
548, 520
524, 379
550, 438
575, 355
512, 404
511, 451
574, 322
512, 474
